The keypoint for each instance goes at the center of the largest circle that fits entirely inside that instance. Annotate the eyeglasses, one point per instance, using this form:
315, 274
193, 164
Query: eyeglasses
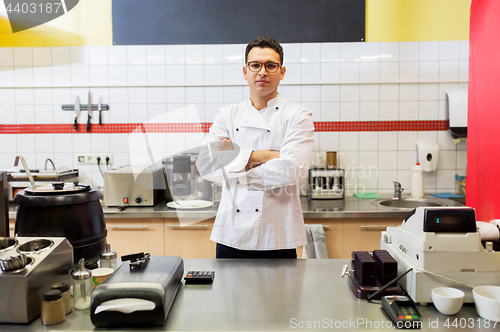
271, 67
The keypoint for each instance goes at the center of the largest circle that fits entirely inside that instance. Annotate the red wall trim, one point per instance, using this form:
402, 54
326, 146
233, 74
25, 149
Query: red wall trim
125, 128
380, 126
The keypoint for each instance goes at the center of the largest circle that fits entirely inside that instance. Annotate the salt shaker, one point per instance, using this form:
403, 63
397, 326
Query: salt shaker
64, 289
108, 258
82, 286
52, 311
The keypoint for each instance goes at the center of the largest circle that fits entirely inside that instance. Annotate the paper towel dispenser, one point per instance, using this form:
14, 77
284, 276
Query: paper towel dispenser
456, 111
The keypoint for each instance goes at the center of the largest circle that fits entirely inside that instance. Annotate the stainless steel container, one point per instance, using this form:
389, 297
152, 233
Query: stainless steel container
50, 260
184, 180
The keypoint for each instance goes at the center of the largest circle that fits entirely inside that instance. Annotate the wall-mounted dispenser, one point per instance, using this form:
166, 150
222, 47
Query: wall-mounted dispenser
428, 155
456, 111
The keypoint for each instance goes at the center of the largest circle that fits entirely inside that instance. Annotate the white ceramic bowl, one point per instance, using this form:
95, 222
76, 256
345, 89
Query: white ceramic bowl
447, 300
487, 300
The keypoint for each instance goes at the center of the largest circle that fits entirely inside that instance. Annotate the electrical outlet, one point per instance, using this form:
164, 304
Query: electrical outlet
91, 158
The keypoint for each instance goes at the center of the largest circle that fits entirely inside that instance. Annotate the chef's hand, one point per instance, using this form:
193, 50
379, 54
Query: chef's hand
225, 144
261, 156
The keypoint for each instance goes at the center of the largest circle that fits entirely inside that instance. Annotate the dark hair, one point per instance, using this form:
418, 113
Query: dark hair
265, 42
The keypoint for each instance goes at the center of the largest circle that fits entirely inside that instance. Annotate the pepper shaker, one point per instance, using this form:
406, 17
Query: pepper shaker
109, 258
52, 311
64, 289
82, 287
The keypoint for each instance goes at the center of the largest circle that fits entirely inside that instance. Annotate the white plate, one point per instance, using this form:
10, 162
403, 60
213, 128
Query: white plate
189, 204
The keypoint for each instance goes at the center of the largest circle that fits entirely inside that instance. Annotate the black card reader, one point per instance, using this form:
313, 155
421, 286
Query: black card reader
402, 311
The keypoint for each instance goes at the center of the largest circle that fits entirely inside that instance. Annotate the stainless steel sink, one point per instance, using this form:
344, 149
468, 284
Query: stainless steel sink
408, 203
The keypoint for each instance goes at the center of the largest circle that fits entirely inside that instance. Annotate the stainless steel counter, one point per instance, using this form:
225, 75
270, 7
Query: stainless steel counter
273, 295
350, 207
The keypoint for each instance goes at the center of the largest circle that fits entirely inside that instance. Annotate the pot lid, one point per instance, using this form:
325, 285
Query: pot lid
58, 188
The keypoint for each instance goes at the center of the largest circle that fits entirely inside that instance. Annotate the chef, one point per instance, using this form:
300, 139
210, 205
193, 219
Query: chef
268, 140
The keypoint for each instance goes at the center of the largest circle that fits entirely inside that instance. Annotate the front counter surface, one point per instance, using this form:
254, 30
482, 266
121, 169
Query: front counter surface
274, 295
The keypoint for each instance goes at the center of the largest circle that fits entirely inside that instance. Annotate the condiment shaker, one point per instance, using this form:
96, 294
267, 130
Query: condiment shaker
109, 258
91, 265
82, 286
66, 297
52, 311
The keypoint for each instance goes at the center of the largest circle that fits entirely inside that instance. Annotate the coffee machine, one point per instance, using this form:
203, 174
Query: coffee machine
326, 183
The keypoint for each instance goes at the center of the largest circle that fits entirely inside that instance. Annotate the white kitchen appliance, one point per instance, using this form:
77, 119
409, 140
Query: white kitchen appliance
123, 187
441, 241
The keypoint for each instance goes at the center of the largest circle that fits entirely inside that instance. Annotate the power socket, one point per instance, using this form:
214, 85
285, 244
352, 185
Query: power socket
91, 159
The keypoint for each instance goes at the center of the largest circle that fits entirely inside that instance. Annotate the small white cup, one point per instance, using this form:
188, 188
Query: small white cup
101, 274
448, 300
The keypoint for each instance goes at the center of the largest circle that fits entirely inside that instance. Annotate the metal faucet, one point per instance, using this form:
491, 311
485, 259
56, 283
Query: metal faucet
398, 190
50, 160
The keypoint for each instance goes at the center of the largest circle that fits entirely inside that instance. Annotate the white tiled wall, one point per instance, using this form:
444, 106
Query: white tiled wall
337, 81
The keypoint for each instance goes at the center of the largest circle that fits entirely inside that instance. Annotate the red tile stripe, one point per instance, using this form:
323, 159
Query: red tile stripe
381, 126
125, 128
115, 128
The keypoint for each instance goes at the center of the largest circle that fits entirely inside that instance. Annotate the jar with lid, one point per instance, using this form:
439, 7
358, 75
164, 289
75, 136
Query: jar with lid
66, 297
52, 311
109, 258
82, 286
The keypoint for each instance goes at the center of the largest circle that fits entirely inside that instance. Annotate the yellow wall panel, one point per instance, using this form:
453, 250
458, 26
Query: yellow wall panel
417, 20
89, 23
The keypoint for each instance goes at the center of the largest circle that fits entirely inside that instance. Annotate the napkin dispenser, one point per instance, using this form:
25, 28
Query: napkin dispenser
138, 296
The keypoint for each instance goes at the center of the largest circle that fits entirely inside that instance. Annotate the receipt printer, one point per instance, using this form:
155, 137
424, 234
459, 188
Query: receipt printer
138, 296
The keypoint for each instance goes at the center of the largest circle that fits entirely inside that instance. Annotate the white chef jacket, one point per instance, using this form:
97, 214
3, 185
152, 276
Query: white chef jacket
260, 208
